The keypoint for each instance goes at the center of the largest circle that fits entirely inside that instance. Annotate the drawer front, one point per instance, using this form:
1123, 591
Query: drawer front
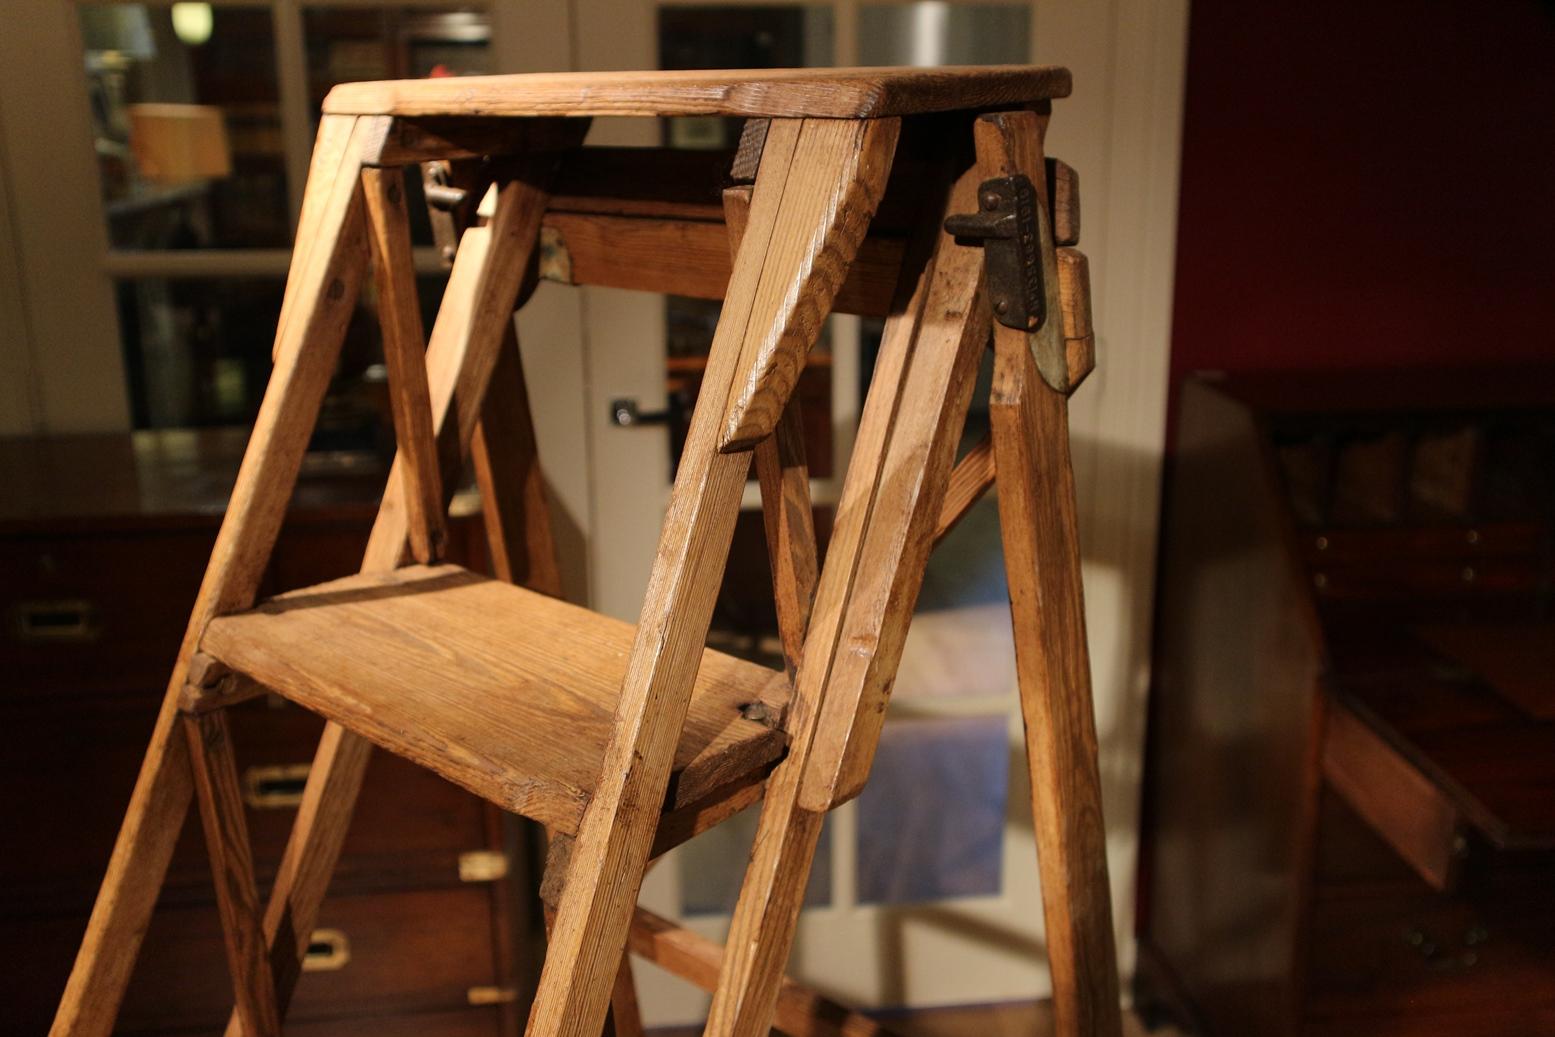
88, 615
67, 775
466, 1022
1427, 954
99, 614
376, 955
1405, 807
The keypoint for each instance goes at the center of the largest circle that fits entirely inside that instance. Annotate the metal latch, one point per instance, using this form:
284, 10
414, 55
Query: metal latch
1006, 227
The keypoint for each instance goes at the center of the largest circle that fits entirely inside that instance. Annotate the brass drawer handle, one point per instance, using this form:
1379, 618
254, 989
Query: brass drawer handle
60, 619
276, 787
329, 950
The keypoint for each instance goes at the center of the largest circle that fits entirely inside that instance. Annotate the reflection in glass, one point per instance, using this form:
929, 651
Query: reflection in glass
737, 37
350, 44
197, 352
186, 127
931, 819
933, 32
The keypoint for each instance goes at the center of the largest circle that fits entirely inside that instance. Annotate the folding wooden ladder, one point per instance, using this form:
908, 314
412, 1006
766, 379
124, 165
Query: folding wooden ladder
918, 195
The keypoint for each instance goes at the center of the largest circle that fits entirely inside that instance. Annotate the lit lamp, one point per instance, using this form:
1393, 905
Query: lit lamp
192, 23
179, 143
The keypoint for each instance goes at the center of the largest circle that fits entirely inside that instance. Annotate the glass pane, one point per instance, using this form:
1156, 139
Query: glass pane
737, 37
349, 44
932, 32
186, 121
197, 352
931, 819
712, 866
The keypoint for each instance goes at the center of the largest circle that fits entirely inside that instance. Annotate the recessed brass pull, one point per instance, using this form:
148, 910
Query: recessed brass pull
276, 787
63, 619
329, 950
491, 995
482, 866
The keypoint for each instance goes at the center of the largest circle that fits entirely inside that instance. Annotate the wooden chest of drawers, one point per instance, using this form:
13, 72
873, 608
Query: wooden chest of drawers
103, 541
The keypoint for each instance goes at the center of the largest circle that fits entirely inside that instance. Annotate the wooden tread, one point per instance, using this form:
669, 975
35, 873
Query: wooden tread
503, 691
847, 93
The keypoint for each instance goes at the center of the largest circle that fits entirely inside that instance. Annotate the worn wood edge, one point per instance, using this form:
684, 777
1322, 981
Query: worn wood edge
232, 870
771, 360
859, 93
1063, 185
405, 141
404, 355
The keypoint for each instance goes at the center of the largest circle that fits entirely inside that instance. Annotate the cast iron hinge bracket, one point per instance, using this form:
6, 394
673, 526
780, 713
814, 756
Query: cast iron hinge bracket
1006, 226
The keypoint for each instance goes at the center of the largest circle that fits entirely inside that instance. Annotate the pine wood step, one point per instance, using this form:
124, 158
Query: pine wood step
503, 691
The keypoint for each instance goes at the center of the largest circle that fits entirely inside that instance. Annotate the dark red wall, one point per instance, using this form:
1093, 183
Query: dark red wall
1367, 184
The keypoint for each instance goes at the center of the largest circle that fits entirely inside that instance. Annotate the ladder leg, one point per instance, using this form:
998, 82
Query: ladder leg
1038, 526
625, 1017
232, 868
461, 355
514, 500
322, 298
813, 198
1042, 559
883, 531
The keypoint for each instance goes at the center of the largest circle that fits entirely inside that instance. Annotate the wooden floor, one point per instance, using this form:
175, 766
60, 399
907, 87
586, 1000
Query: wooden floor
1012, 1020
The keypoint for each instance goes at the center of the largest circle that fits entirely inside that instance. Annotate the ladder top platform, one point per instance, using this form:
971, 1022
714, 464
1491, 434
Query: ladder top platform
503, 691
846, 93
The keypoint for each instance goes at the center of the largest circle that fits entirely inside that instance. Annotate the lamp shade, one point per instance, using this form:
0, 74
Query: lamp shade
176, 143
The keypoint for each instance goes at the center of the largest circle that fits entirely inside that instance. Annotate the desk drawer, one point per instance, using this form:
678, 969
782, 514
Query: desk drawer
1426, 953
378, 954
67, 776
1404, 806
89, 615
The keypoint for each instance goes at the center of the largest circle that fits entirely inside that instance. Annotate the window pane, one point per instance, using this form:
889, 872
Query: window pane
350, 44
932, 32
186, 121
695, 37
931, 819
197, 352
712, 866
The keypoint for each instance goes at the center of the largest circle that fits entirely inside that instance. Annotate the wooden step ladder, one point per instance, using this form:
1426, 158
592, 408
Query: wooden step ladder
920, 195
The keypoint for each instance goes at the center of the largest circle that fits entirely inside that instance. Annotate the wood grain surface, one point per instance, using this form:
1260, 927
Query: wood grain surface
851, 93
232, 867
404, 357
509, 693
1041, 536
772, 358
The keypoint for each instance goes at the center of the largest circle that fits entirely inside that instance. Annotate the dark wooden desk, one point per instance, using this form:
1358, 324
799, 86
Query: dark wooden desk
1351, 777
